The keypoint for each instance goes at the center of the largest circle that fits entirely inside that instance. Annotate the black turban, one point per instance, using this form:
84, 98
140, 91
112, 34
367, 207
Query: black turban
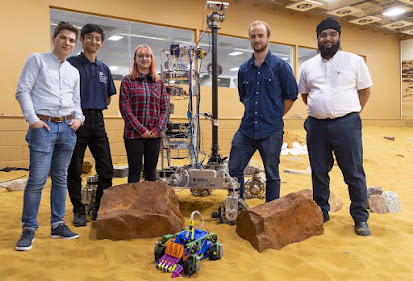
329, 23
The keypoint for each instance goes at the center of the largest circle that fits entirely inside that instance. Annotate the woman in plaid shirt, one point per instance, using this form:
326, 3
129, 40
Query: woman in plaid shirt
144, 106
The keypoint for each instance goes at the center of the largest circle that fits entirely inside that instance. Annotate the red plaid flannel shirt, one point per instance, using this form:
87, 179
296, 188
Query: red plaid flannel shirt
144, 106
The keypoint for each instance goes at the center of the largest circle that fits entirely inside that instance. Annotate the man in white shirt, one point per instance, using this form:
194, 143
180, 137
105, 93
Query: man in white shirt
335, 86
49, 96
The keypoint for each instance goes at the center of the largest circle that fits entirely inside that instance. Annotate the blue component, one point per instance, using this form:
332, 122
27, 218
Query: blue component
203, 252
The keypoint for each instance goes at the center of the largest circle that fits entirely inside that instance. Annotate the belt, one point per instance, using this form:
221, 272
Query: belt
92, 110
54, 119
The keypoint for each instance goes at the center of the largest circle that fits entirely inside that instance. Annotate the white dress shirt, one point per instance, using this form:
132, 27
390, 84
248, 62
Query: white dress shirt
48, 87
332, 85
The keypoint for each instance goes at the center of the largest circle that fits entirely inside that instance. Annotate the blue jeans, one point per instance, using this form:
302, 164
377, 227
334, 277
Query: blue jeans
242, 149
343, 136
48, 151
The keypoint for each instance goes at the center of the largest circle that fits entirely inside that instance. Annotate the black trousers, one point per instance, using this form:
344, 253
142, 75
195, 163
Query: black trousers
149, 149
92, 134
343, 136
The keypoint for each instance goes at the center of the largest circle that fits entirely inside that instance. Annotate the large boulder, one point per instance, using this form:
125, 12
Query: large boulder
335, 203
139, 210
275, 224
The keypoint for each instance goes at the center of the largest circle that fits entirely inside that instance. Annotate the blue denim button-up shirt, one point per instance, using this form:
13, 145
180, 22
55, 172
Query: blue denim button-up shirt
262, 90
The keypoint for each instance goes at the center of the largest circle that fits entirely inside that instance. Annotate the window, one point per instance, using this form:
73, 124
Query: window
117, 51
232, 52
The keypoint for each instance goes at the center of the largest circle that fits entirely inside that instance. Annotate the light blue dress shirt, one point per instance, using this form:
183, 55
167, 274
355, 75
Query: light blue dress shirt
48, 87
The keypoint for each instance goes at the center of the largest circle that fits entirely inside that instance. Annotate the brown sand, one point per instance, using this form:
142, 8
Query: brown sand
338, 254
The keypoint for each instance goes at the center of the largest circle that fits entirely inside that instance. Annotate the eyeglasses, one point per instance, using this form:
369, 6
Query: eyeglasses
146, 56
324, 35
89, 37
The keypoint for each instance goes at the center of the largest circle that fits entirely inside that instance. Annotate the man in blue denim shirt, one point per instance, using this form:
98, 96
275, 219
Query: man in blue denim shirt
48, 94
268, 89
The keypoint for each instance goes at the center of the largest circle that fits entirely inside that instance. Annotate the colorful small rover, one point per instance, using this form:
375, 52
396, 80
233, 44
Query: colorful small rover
183, 255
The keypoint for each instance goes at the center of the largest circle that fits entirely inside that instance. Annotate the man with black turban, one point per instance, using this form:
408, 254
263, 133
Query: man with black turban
335, 86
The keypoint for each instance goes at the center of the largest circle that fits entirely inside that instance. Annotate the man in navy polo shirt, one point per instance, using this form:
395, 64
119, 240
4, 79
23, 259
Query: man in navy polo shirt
96, 89
267, 88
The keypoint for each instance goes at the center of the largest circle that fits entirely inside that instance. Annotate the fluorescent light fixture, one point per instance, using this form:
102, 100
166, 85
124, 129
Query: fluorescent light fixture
190, 43
244, 50
284, 58
394, 12
144, 36
234, 69
113, 67
172, 81
236, 53
115, 38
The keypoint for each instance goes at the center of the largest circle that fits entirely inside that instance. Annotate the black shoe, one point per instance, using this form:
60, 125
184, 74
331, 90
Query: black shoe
26, 240
93, 214
79, 219
63, 232
326, 217
362, 228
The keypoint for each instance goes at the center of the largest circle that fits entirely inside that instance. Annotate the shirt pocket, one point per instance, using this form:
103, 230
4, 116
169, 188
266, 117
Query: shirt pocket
346, 79
156, 92
271, 83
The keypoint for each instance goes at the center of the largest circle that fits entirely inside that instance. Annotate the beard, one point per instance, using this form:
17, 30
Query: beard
329, 51
260, 49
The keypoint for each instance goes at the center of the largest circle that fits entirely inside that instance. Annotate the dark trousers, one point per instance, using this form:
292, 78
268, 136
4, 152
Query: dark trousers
92, 134
243, 148
149, 149
343, 136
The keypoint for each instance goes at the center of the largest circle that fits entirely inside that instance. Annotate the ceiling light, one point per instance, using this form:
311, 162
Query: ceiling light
143, 36
394, 12
236, 53
234, 69
115, 38
113, 67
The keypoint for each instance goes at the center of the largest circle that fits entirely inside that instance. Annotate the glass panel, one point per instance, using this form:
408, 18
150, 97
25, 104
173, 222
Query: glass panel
232, 52
305, 54
117, 54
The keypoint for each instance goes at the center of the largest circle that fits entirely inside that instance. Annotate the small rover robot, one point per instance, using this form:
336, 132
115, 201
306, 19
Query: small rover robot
183, 251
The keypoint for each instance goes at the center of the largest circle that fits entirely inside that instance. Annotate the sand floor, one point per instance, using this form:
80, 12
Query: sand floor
338, 254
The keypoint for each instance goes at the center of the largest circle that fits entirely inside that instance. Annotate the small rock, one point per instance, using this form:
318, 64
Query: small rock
16, 185
377, 204
296, 172
347, 252
389, 138
392, 201
374, 190
87, 166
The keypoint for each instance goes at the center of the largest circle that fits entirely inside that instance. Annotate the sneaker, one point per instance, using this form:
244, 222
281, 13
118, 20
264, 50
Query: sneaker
79, 219
63, 231
26, 240
362, 229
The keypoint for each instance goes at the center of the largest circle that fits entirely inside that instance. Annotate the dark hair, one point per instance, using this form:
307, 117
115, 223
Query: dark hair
65, 25
89, 28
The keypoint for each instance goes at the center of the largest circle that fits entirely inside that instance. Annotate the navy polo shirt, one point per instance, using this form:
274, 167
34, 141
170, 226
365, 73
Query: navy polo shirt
262, 90
96, 82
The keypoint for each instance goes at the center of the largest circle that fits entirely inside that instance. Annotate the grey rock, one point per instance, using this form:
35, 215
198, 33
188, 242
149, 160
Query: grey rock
374, 190
392, 201
297, 172
16, 185
377, 204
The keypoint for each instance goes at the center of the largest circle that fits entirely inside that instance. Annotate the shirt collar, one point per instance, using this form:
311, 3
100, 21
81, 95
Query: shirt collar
266, 61
55, 58
332, 58
86, 60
